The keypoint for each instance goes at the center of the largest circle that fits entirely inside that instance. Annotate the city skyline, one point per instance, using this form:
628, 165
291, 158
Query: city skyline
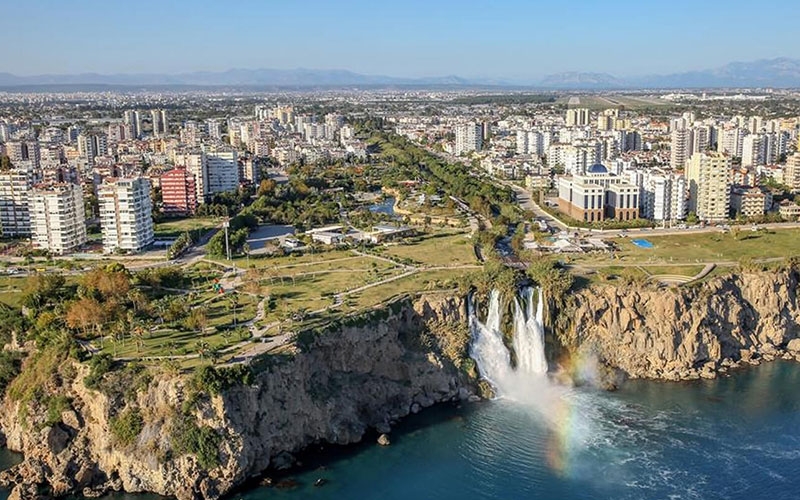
513, 40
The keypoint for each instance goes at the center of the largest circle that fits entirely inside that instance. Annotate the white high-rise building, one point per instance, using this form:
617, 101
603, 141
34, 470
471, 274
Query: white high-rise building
222, 171
195, 163
530, 142
126, 214
214, 129
709, 181
730, 141
701, 139
791, 173
663, 195
753, 153
15, 186
58, 221
469, 137
522, 142
578, 117
680, 147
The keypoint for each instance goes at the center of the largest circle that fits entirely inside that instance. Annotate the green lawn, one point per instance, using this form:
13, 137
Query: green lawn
179, 341
288, 260
615, 273
175, 227
342, 264
316, 291
440, 249
11, 289
703, 247
419, 282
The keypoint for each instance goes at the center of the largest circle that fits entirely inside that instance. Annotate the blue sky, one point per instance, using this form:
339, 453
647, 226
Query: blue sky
502, 38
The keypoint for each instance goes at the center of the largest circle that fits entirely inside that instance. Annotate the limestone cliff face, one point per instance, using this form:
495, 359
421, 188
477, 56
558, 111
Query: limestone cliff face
341, 384
685, 333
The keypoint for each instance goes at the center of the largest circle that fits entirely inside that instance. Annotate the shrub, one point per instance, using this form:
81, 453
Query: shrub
216, 380
56, 405
10, 364
201, 441
99, 365
127, 426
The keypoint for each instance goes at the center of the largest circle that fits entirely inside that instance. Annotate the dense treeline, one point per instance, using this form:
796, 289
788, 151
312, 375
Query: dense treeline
411, 162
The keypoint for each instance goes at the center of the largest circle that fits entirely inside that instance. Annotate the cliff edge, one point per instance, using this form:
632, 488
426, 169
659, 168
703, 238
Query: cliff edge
200, 436
688, 332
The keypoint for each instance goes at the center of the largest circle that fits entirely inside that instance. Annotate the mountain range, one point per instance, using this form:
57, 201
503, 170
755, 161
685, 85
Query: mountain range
779, 73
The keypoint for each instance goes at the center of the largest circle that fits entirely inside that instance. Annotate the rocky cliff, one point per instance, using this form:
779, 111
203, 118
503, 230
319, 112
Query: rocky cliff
688, 332
169, 438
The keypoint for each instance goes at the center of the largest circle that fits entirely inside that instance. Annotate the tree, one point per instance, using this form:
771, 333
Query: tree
202, 348
84, 314
42, 289
197, 320
214, 353
267, 187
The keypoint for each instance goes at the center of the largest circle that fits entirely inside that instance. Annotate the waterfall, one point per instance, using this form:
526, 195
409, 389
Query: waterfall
492, 356
487, 348
529, 332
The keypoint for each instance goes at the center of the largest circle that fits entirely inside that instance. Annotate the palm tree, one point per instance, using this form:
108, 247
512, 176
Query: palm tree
138, 332
234, 300
202, 348
172, 346
226, 334
214, 353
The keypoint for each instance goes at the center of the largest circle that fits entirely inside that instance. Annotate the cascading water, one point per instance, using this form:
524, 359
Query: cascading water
492, 356
487, 348
529, 332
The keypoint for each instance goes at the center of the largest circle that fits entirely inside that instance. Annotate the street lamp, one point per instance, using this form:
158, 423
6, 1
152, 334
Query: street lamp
226, 224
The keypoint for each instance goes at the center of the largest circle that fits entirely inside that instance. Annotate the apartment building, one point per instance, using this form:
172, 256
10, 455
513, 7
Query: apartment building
15, 186
58, 221
222, 171
750, 201
126, 218
663, 194
158, 117
791, 173
469, 137
708, 178
178, 192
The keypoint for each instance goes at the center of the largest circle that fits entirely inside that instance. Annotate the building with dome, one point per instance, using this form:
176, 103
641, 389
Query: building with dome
598, 195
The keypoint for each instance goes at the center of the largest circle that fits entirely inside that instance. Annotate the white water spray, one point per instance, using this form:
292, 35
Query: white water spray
487, 348
491, 354
529, 332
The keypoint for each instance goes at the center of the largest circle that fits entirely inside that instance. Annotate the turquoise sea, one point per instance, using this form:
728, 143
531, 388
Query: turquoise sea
733, 438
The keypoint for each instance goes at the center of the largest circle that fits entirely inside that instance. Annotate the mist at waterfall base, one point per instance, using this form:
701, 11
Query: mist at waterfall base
731, 438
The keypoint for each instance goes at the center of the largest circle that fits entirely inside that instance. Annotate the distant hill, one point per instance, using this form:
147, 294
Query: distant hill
576, 79
780, 72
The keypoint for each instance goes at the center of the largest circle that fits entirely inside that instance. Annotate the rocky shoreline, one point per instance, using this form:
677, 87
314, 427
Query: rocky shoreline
362, 376
344, 382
